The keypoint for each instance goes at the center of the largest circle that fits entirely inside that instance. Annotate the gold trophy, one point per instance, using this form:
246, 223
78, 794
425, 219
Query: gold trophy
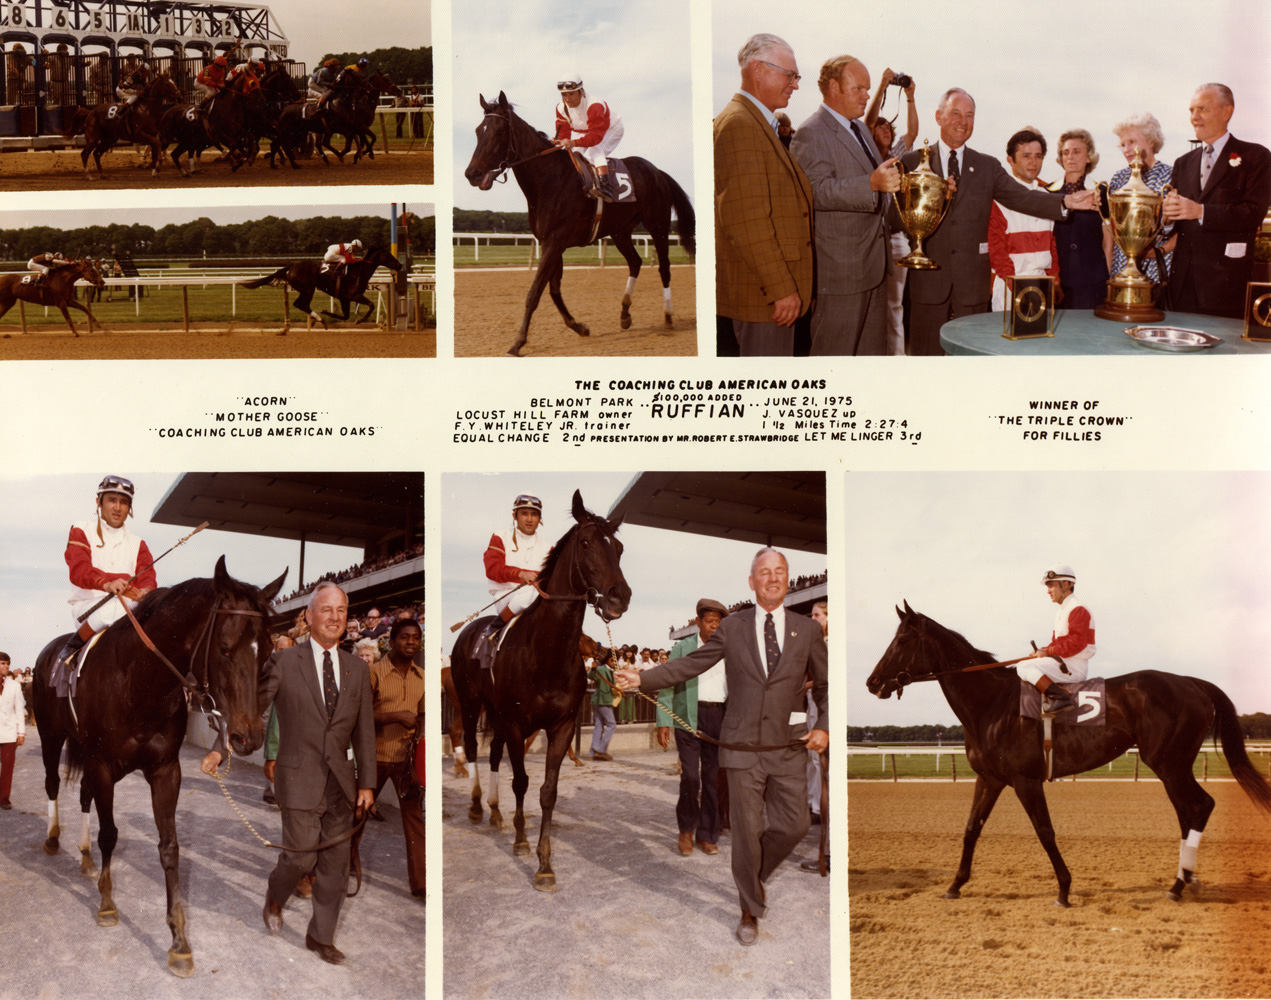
921, 203
1134, 212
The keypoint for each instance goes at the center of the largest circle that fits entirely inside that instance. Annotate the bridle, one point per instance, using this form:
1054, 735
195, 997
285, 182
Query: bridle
198, 692
903, 678
590, 594
499, 173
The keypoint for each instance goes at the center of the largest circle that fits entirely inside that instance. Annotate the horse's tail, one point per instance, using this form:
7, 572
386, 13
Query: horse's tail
1227, 729
76, 123
687, 226
278, 277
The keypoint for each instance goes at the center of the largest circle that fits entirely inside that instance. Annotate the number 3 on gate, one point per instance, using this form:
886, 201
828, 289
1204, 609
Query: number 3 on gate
1088, 700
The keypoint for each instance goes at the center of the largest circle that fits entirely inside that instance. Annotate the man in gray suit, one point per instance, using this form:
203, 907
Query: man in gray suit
851, 183
767, 653
960, 285
326, 723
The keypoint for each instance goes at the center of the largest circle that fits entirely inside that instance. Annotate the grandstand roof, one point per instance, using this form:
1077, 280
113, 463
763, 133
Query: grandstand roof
337, 508
782, 509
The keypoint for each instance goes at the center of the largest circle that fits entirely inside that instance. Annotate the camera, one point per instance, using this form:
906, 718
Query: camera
901, 80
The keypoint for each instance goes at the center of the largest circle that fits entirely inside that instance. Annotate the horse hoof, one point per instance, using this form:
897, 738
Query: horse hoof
953, 894
545, 881
583, 330
670, 323
181, 964
107, 918
496, 819
461, 771
51, 846
1063, 903
475, 814
626, 322
521, 849
1175, 896
86, 866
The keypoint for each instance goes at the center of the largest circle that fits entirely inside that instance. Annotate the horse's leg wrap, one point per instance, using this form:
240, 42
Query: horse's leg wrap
54, 827
85, 841
1187, 854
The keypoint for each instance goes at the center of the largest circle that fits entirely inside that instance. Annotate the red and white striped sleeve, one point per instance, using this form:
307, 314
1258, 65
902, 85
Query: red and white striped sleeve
496, 567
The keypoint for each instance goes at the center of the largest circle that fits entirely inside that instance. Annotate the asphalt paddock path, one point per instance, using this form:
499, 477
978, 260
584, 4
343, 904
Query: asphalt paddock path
54, 949
1004, 937
630, 917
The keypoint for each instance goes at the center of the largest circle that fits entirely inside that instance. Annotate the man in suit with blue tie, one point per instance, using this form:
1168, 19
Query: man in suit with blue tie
326, 763
768, 652
1221, 193
851, 182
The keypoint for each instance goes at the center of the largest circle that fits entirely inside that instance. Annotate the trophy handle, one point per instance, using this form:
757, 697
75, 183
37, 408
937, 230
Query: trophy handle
1102, 188
1166, 190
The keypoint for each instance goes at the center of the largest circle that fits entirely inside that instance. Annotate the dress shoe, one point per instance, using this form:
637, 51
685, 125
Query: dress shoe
747, 928
814, 866
6, 805
273, 916
707, 847
268, 796
326, 952
597, 755
304, 888
686, 844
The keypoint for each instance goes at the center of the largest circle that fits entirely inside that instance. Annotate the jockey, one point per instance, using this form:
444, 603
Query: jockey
103, 556
341, 255
1072, 641
43, 263
248, 72
588, 126
134, 84
512, 559
322, 80
211, 80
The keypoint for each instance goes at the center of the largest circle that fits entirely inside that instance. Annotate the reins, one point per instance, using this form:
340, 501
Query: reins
499, 173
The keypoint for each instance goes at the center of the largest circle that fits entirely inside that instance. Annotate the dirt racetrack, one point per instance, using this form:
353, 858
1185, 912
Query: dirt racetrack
1121, 938
207, 340
489, 305
55, 170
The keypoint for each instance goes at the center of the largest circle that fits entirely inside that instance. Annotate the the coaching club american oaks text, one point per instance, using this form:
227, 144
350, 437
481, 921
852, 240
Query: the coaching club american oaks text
659, 411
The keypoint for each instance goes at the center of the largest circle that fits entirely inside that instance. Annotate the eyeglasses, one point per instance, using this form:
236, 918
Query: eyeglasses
372, 616
791, 75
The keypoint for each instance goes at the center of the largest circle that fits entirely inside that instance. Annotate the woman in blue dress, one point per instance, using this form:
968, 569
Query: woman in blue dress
1142, 134
1084, 245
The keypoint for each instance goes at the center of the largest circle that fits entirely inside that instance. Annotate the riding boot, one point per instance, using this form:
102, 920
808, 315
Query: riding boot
1057, 698
608, 193
75, 643
486, 648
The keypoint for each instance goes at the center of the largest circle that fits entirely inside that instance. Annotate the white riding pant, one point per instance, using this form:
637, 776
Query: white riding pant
107, 614
1033, 670
598, 155
518, 600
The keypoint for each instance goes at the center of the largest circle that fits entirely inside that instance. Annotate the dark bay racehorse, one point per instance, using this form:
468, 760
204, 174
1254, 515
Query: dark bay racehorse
57, 288
538, 680
130, 713
350, 111
346, 285
562, 216
1167, 715
138, 123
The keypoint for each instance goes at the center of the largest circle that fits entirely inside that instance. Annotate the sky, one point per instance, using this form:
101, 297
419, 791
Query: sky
220, 214
1172, 567
634, 55
314, 28
1056, 67
668, 572
36, 514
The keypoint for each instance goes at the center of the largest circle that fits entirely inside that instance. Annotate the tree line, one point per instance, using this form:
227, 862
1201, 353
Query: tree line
270, 236
410, 67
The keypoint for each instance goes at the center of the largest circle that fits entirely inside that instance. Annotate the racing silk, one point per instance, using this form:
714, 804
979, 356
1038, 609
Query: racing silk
508, 553
115, 554
323, 78
45, 262
1073, 637
340, 253
1019, 244
585, 124
245, 73
212, 76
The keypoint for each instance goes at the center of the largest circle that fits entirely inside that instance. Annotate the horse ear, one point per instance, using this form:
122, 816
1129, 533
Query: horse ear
221, 574
503, 100
616, 523
900, 614
270, 590
578, 510
486, 106
908, 609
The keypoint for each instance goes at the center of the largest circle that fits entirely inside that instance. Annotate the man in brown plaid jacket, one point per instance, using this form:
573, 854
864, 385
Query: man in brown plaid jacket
763, 207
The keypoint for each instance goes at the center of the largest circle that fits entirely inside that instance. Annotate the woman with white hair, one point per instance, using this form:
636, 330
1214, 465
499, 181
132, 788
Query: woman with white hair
367, 649
1141, 134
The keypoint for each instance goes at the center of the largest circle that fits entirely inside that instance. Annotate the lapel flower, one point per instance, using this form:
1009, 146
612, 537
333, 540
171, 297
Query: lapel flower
1234, 159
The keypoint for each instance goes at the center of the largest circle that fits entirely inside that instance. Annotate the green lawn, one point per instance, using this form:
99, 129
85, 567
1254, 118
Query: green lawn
162, 304
494, 256
879, 766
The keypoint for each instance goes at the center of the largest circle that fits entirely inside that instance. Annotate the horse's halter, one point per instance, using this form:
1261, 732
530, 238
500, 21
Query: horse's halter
590, 594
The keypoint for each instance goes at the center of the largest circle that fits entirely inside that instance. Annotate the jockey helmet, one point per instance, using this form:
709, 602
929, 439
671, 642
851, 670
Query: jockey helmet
220, 61
1060, 571
363, 63
116, 484
527, 502
356, 244
570, 83
333, 62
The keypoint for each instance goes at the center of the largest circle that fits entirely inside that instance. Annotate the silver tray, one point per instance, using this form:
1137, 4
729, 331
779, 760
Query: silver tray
1172, 338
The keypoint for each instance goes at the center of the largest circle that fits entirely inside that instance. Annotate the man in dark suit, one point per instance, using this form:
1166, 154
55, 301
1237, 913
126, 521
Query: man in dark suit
327, 731
960, 285
763, 207
767, 652
1221, 193
850, 184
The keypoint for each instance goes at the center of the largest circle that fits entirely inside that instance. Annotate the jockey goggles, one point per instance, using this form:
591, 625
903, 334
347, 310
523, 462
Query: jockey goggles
116, 484
527, 502
569, 84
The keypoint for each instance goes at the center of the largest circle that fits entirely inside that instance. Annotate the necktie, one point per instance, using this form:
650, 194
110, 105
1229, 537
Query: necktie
772, 651
953, 170
1206, 165
860, 137
329, 690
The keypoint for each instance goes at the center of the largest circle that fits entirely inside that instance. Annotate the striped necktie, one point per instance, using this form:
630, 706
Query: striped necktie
1206, 165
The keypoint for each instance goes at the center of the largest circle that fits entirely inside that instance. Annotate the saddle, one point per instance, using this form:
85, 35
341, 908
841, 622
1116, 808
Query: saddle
1089, 712
63, 678
623, 189
488, 644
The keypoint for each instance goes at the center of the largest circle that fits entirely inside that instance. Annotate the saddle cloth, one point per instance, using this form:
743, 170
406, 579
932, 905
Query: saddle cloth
1091, 707
487, 635
62, 678
622, 185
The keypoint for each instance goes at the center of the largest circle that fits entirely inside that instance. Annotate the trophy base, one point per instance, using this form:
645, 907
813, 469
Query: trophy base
919, 260
1129, 302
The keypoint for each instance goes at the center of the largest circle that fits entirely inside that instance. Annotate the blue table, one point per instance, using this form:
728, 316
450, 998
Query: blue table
1079, 331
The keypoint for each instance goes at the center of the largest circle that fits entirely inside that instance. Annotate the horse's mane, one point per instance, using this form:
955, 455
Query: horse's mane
199, 588
946, 637
554, 556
